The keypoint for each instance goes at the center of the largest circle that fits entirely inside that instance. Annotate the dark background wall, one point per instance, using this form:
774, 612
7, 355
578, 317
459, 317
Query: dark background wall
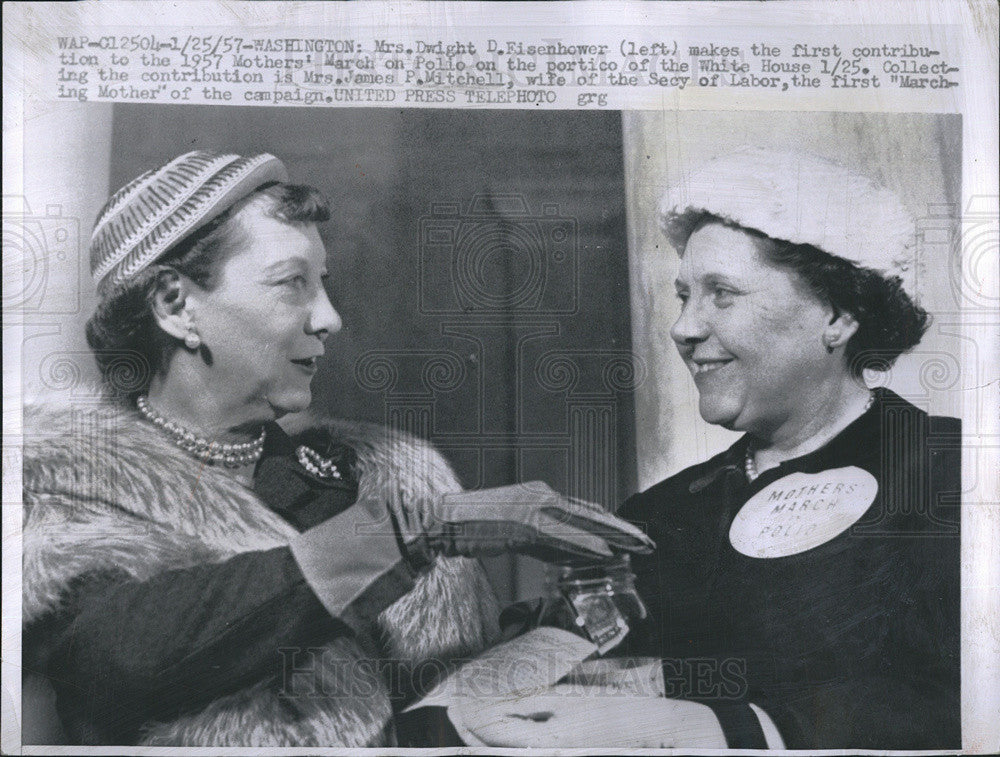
480, 268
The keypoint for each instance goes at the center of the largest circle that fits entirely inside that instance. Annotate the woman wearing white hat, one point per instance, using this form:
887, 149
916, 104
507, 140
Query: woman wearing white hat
194, 574
812, 569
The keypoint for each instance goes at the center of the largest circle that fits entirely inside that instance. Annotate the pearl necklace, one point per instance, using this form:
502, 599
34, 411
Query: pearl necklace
750, 464
213, 453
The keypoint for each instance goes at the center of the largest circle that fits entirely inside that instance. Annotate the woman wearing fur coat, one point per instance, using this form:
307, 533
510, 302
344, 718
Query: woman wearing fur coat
196, 574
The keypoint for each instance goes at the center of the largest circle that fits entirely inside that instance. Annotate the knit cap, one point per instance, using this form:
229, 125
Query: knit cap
154, 212
800, 198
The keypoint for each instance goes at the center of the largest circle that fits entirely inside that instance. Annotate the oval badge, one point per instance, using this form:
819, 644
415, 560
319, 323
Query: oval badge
802, 511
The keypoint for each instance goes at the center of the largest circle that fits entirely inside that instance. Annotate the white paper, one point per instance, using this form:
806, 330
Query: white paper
527, 665
688, 79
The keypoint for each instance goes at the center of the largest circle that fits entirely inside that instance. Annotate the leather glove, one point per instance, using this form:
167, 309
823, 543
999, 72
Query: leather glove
530, 518
362, 560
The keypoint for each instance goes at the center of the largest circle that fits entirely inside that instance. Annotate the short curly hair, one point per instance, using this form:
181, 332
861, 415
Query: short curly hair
128, 344
890, 323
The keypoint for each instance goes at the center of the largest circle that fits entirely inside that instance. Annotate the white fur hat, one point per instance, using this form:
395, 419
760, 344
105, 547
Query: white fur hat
800, 198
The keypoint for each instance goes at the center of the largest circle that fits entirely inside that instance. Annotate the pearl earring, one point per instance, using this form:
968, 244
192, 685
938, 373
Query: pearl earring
192, 341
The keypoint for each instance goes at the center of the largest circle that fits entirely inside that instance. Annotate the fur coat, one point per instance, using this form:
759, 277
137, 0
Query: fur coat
105, 490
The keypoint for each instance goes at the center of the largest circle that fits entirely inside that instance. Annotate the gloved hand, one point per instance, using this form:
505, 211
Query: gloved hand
362, 560
530, 518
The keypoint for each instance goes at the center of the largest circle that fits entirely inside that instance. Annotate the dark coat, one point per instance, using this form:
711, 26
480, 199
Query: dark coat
851, 644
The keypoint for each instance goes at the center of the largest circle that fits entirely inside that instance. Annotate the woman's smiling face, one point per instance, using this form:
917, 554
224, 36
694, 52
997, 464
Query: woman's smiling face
749, 332
264, 321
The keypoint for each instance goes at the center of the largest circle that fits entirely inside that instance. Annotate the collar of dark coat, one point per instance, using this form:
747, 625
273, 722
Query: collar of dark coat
859, 440
282, 482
